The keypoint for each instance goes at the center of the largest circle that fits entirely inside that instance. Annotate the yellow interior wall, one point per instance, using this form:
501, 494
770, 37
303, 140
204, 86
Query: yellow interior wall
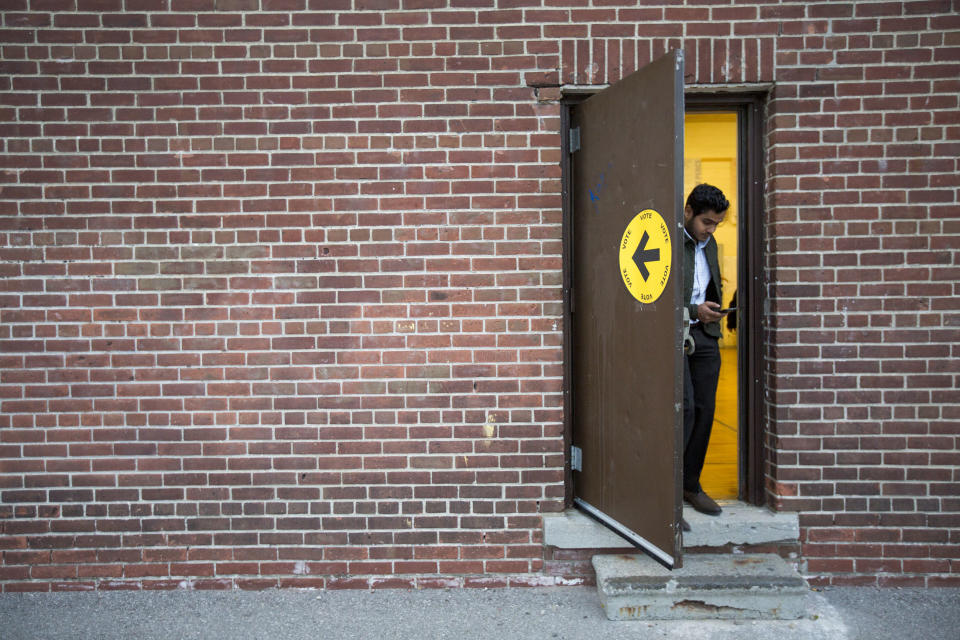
710, 155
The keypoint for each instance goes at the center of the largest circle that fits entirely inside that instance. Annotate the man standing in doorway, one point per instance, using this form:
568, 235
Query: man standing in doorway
705, 209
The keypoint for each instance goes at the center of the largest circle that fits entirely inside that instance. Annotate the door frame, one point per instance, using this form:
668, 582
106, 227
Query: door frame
751, 285
568, 101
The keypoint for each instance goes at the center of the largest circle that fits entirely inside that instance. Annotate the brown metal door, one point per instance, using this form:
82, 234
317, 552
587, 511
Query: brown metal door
627, 390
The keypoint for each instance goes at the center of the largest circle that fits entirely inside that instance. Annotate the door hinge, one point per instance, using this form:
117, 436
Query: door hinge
576, 458
574, 139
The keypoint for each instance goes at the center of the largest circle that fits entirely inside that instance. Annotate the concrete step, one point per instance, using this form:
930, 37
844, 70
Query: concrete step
708, 587
739, 524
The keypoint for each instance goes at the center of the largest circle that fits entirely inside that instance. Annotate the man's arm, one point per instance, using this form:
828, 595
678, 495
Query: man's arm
709, 312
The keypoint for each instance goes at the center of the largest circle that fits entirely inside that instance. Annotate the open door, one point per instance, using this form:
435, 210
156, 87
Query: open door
626, 329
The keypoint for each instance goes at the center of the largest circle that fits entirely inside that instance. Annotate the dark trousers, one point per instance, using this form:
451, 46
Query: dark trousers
701, 370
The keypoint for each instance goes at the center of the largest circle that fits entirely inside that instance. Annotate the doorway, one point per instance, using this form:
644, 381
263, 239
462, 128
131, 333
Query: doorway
711, 155
723, 145
736, 456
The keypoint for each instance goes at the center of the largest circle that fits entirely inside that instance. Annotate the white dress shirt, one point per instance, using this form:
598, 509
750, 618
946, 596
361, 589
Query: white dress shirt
701, 275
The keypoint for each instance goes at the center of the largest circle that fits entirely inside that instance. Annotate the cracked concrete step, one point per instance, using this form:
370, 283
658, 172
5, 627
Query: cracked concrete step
708, 587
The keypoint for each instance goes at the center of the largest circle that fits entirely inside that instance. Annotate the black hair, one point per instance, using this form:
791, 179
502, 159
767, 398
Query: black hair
705, 197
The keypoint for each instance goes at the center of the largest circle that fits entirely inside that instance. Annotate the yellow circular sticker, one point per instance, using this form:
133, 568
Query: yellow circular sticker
645, 256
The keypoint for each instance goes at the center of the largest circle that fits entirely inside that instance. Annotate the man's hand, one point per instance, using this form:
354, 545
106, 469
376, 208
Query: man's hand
709, 312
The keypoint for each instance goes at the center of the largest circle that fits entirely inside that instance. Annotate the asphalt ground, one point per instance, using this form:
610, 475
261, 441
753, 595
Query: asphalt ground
501, 614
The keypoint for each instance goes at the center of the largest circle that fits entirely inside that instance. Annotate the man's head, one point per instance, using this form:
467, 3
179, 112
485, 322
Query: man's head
706, 208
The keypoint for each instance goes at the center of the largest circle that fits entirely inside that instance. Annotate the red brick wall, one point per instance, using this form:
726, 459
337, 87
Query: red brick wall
281, 282
864, 228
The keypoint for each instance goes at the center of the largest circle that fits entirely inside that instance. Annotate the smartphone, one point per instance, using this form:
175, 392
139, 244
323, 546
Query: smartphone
727, 310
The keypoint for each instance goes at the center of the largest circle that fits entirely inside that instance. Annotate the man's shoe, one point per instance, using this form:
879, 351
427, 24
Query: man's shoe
684, 525
702, 502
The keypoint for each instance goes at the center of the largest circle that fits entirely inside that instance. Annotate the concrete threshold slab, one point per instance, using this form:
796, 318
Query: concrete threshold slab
573, 529
739, 524
707, 587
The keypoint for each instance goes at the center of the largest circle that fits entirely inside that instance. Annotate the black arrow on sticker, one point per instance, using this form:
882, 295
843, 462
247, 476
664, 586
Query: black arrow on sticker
643, 255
